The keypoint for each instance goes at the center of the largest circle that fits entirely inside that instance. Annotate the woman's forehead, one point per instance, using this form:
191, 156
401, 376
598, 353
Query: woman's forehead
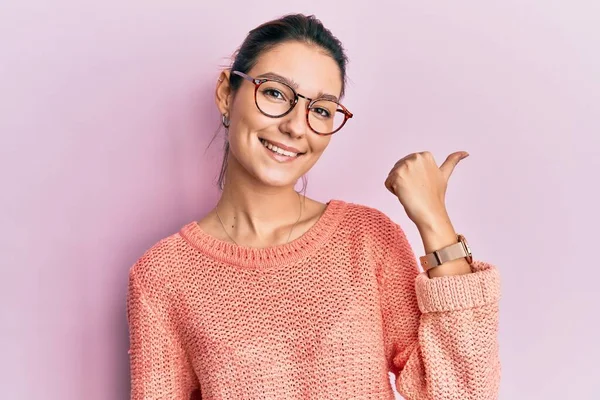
308, 68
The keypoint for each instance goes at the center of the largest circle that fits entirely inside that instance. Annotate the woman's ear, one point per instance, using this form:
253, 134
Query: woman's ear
223, 93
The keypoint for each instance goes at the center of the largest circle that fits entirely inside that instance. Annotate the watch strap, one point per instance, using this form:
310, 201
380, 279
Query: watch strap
448, 253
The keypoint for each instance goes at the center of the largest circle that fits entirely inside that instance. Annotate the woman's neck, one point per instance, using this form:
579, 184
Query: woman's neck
253, 212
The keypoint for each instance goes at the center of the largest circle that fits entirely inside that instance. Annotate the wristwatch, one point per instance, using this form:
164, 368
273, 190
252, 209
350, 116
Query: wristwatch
449, 253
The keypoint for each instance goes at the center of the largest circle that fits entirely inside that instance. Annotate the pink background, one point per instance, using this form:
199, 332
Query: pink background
106, 109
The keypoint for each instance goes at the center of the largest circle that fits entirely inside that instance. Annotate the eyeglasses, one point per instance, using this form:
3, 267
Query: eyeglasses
276, 99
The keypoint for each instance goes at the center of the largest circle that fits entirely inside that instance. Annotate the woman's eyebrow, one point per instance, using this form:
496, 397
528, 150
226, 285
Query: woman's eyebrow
277, 77
295, 85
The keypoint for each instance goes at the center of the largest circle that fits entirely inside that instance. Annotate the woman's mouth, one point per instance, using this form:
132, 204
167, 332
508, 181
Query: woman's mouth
279, 154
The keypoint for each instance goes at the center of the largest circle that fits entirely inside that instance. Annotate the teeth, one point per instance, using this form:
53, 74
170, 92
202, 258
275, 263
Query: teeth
277, 149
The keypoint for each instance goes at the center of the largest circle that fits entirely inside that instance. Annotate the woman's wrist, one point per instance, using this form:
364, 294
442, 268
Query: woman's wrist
436, 235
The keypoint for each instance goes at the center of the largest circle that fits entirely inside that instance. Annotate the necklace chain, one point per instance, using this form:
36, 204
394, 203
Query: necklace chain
289, 236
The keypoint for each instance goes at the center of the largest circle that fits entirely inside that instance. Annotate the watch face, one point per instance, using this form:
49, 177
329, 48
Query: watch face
467, 248
466, 244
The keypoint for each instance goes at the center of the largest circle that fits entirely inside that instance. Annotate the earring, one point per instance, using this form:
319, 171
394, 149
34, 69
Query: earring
225, 121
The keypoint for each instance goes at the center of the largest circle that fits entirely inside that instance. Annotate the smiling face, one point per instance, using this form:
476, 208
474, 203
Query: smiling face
253, 135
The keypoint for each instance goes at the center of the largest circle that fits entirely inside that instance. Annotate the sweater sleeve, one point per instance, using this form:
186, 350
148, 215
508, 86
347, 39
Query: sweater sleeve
440, 334
160, 368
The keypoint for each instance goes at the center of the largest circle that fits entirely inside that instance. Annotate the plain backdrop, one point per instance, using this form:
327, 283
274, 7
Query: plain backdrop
106, 109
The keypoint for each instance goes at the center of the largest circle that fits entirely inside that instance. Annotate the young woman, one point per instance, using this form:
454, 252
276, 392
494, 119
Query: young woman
273, 295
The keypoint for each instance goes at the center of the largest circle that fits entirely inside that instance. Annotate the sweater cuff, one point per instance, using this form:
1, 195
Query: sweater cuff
458, 292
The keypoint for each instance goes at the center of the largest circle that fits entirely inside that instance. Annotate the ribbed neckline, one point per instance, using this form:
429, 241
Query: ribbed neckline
267, 257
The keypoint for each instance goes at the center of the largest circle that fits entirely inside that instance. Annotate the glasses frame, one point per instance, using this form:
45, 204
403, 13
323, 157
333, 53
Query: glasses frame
257, 82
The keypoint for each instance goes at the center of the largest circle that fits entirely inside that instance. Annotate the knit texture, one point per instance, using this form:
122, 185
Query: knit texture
326, 316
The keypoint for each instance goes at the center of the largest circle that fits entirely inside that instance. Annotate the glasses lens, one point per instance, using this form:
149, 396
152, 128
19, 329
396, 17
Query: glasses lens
325, 116
274, 98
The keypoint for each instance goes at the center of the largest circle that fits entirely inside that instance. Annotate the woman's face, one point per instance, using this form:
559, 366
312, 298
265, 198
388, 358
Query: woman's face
312, 73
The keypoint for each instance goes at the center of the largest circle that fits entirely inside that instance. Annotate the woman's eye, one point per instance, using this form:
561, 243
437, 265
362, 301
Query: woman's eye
276, 94
322, 112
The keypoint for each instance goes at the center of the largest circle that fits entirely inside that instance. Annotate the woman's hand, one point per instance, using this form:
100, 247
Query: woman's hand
420, 186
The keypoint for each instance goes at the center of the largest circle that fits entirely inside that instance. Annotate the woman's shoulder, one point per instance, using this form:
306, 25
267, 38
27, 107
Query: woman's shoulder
158, 262
366, 217
368, 222
372, 227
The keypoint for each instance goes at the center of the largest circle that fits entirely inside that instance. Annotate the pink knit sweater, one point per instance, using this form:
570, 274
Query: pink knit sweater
326, 316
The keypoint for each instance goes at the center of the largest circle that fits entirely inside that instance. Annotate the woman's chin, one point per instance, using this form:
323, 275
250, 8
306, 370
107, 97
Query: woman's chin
277, 180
